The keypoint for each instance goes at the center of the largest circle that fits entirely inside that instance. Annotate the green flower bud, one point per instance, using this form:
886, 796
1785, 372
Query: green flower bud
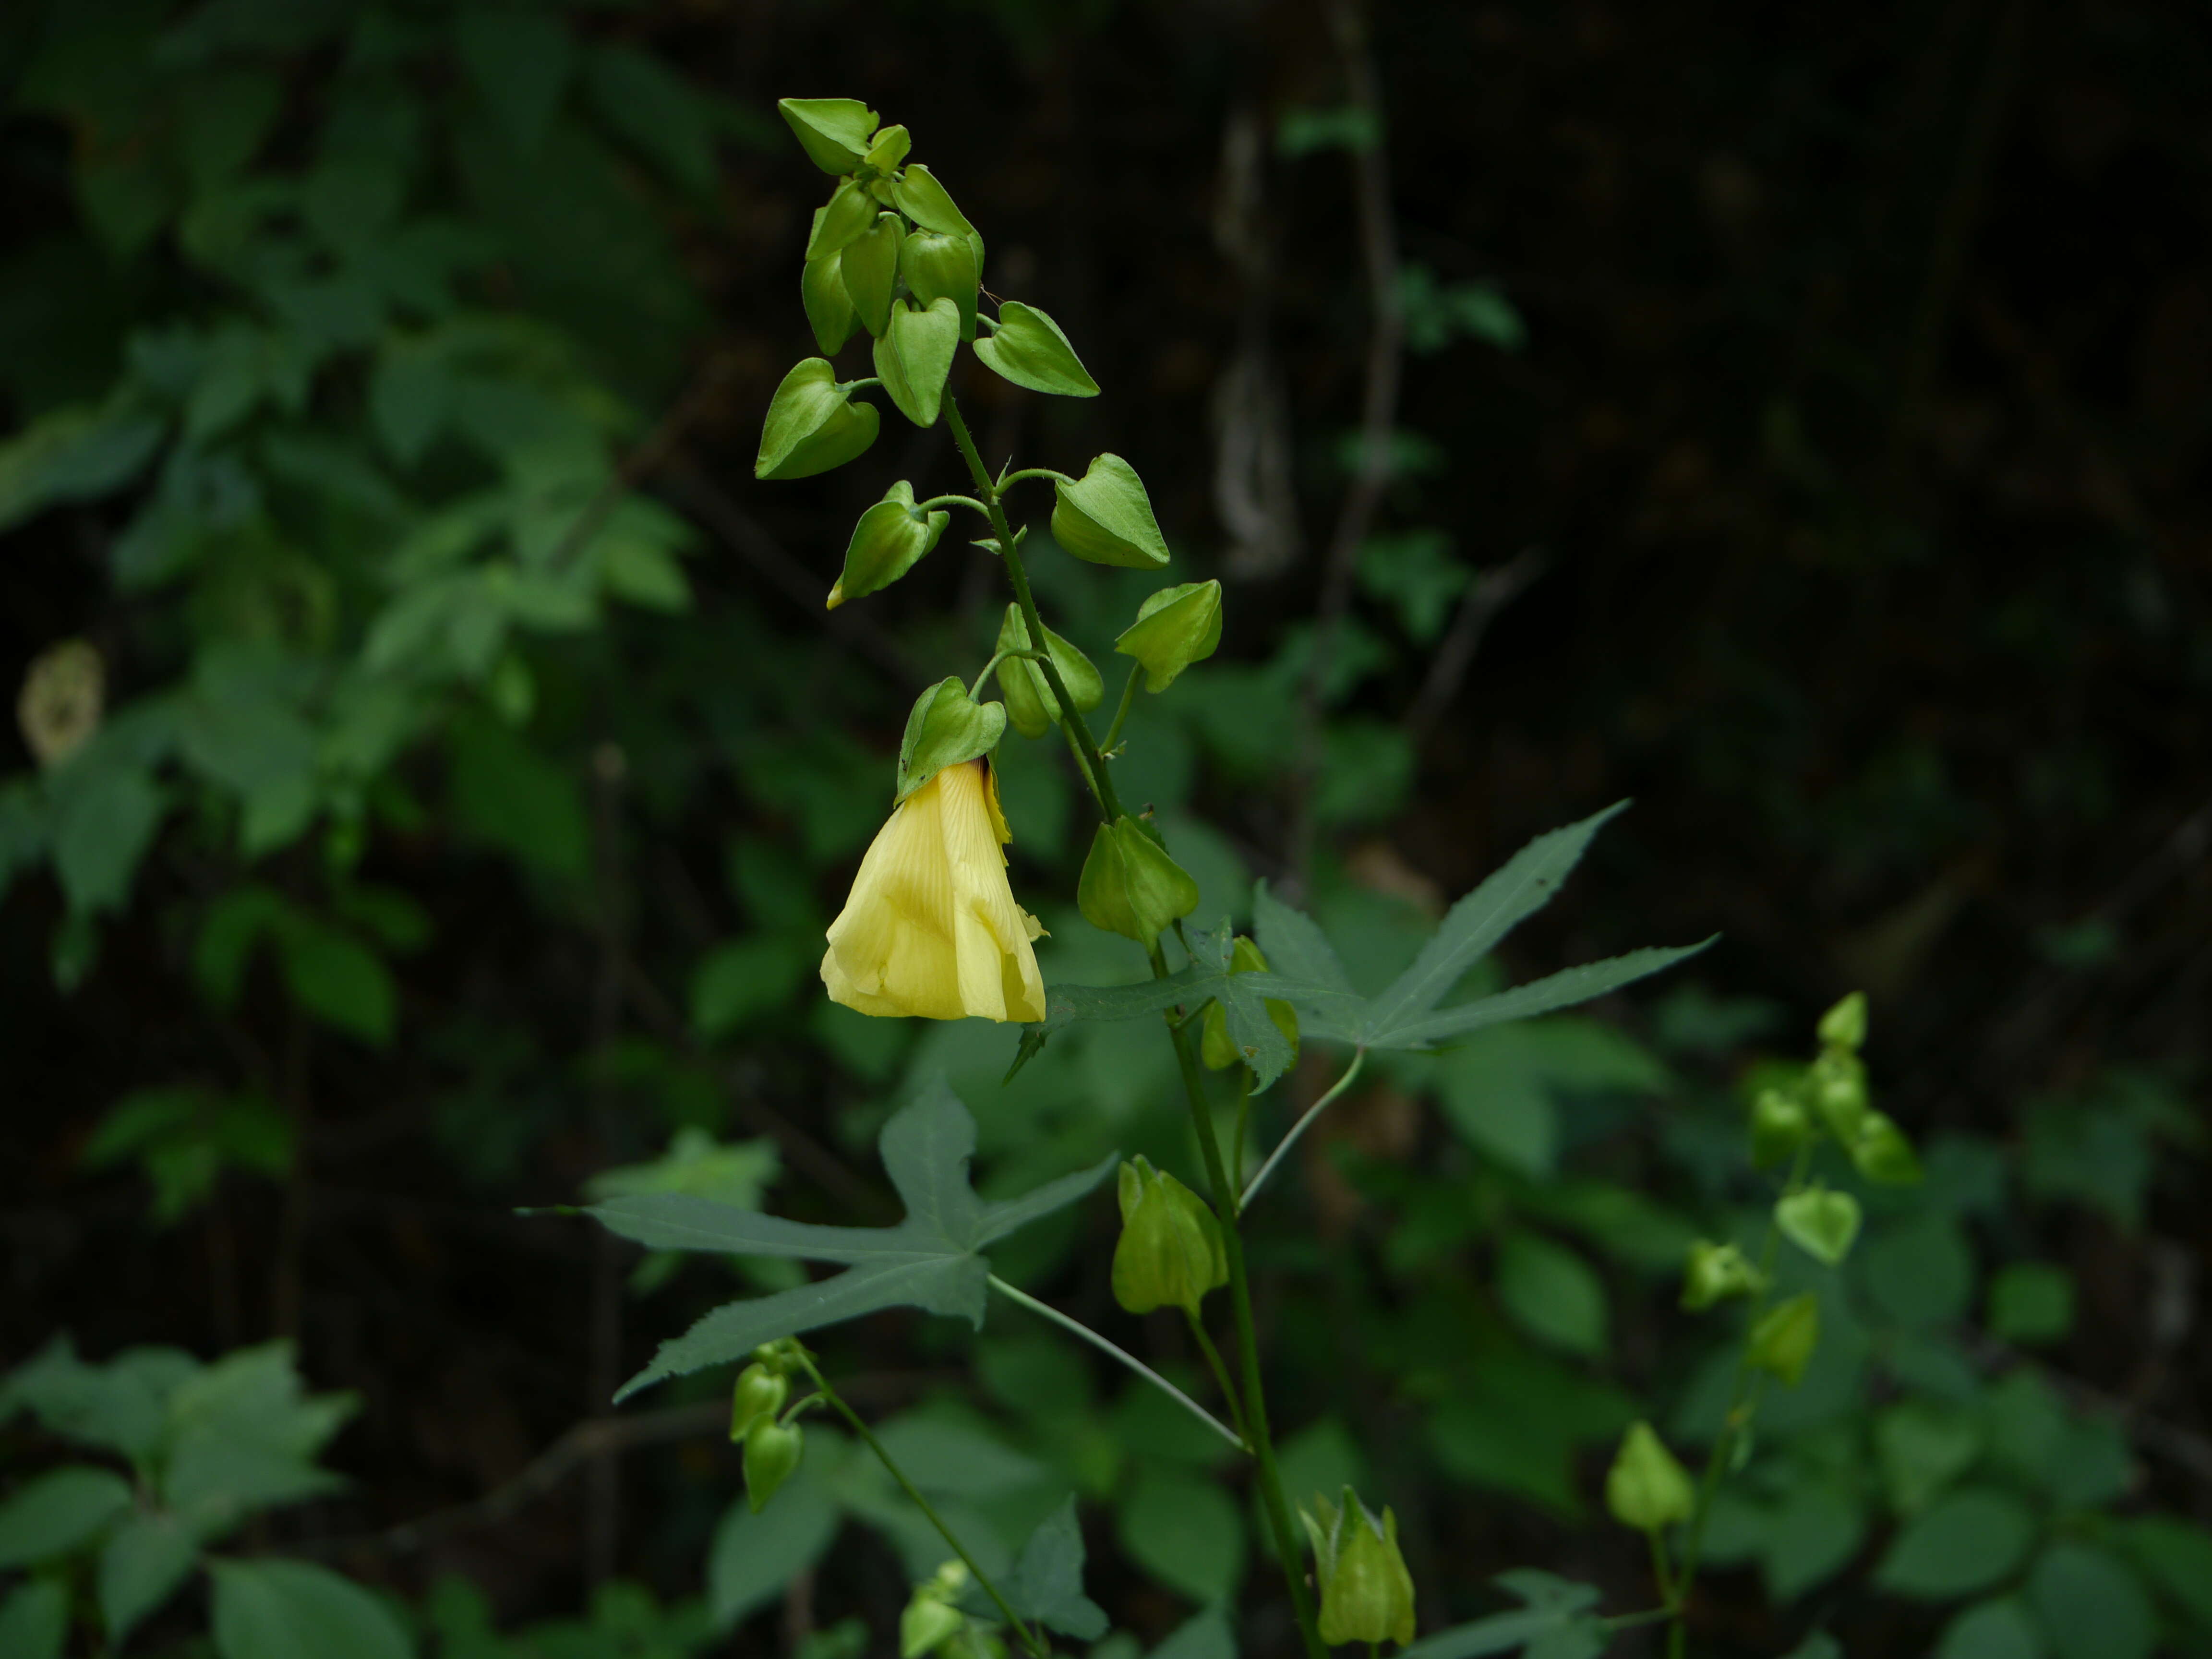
1821, 1223
759, 1393
1646, 1488
1366, 1593
828, 307
870, 267
1030, 704
938, 266
1715, 1273
889, 148
922, 199
1837, 1083
1105, 516
1129, 884
1026, 347
1779, 1126
1215, 1046
834, 132
773, 1451
891, 538
945, 727
813, 424
1784, 1339
849, 214
1881, 1153
932, 1618
1170, 1253
914, 354
1845, 1025
1175, 628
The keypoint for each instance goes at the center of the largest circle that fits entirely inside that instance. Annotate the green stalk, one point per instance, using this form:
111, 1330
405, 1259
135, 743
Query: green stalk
1743, 1404
1029, 1639
1248, 1340
1101, 784
1121, 714
1221, 1373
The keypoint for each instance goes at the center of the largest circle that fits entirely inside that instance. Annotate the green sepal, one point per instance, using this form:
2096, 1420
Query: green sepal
1779, 1126
1845, 1025
834, 132
828, 309
813, 424
890, 539
1366, 1593
945, 727
1028, 348
850, 213
1215, 1046
1837, 1083
1783, 1342
922, 199
1175, 628
1105, 516
914, 354
759, 1392
870, 267
939, 266
1129, 884
1646, 1487
1170, 1253
1030, 704
1881, 1153
773, 1451
1821, 1223
1715, 1273
888, 149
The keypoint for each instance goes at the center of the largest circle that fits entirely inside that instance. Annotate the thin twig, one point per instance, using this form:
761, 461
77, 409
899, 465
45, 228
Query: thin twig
1378, 239
1489, 593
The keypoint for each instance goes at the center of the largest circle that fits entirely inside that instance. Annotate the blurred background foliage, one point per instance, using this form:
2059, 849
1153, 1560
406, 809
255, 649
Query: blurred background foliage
433, 770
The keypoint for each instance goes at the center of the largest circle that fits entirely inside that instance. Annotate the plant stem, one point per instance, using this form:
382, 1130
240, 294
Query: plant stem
1102, 785
1013, 478
1243, 1128
1029, 1639
1220, 1372
1743, 1403
1248, 1341
1121, 714
1358, 1058
952, 501
1128, 1359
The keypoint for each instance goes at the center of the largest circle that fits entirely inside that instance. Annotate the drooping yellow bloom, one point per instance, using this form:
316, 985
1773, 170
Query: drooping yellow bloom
931, 926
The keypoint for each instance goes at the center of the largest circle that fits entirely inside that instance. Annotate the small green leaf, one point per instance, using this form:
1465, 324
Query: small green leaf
834, 132
2000, 1629
274, 1609
813, 424
35, 1619
1184, 1531
1963, 1543
945, 727
1821, 1223
1029, 349
55, 1513
1046, 1585
914, 354
2030, 1303
2091, 1603
1105, 516
1553, 1293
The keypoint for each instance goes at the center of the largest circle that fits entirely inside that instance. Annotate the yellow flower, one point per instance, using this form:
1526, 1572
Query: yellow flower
931, 926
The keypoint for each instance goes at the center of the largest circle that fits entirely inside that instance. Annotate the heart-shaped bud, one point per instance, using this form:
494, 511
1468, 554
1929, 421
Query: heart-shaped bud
828, 307
1030, 704
891, 538
1027, 347
759, 1393
841, 220
1821, 1223
922, 199
813, 424
834, 132
938, 266
914, 354
1175, 628
870, 267
945, 727
1782, 1340
1129, 884
1105, 517
889, 150
1714, 1273
1646, 1488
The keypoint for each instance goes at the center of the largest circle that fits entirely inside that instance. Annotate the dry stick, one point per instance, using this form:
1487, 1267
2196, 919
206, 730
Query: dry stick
1378, 238
1490, 594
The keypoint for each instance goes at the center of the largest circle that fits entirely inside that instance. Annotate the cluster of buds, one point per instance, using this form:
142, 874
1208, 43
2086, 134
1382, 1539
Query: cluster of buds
1366, 1593
773, 1441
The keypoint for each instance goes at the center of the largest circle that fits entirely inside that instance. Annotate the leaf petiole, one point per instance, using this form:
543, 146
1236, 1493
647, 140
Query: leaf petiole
1358, 1058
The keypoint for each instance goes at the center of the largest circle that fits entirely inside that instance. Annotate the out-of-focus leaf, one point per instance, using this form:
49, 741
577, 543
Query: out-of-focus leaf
274, 1609
54, 1513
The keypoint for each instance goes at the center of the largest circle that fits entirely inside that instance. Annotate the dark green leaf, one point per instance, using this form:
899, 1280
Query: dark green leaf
1964, 1542
74, 454
1046, 1585
143, 1563
754, 1555
1185, 1531
930, 1261
54, 1513
520, 60
1999, 1629
35, 1619
275, 1610
2092, 1604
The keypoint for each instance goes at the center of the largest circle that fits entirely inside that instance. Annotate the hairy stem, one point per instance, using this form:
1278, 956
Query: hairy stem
1102, 785
1126, 1357
1029, 1639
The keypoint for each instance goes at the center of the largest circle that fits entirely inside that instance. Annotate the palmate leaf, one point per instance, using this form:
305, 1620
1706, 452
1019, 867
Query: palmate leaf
931, 1260
1405, 1016
1046, 1585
